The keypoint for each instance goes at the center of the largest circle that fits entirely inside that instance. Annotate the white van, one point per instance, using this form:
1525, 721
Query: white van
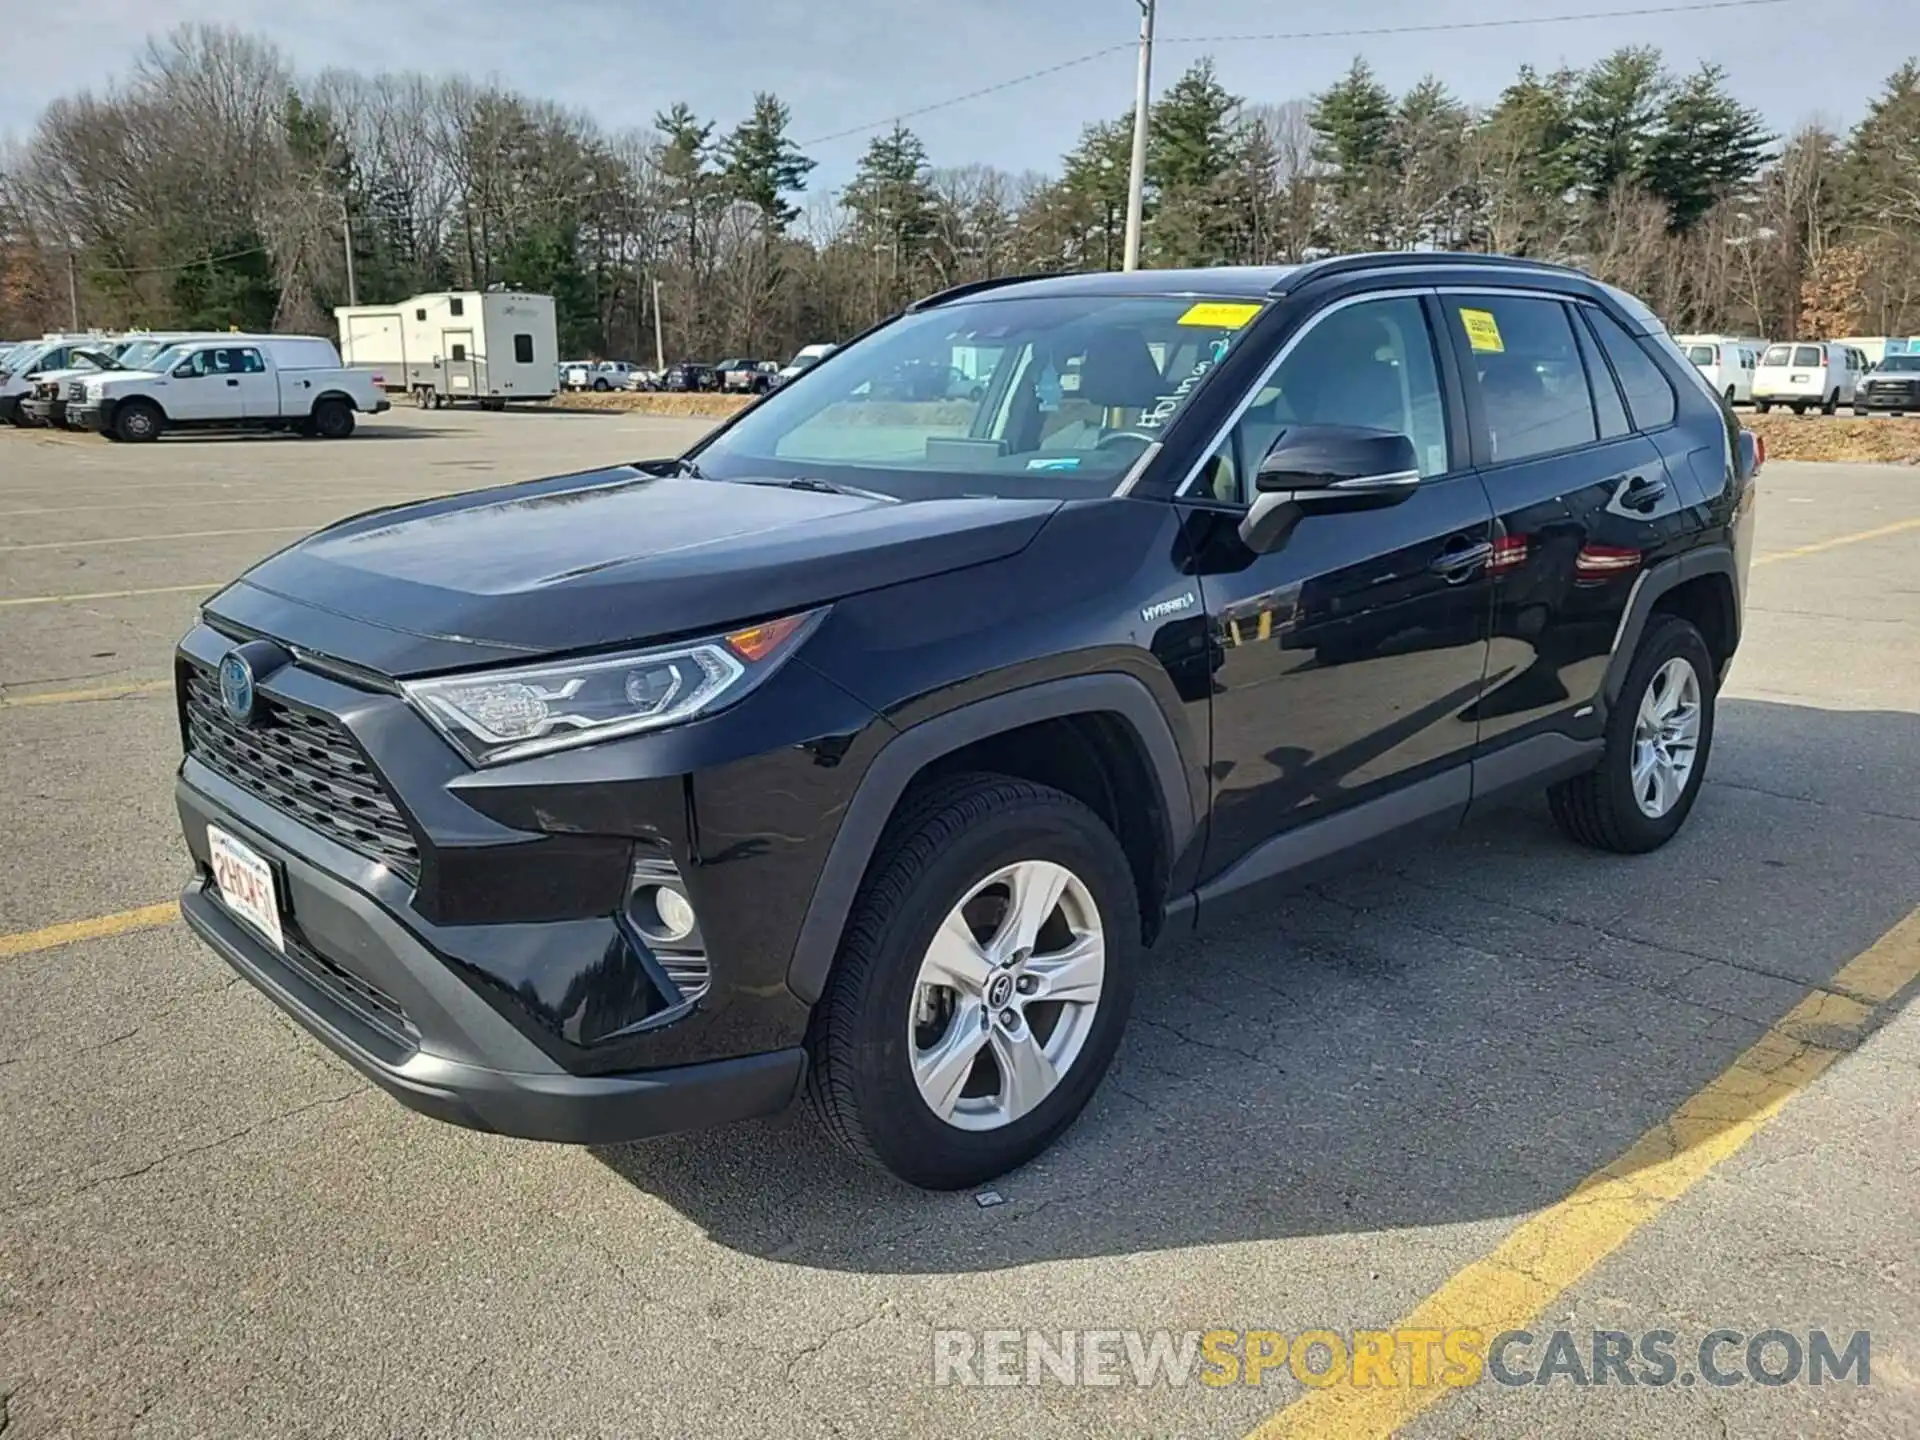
1726, 365
1807, 373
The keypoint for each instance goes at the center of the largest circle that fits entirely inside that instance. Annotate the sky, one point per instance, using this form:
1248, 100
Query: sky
846, 63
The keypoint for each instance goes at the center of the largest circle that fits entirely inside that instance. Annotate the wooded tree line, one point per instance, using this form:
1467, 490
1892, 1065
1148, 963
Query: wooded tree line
215, 185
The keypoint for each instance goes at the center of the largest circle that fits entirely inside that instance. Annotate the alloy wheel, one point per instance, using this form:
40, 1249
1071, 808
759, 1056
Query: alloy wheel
1666, 737
1006, 995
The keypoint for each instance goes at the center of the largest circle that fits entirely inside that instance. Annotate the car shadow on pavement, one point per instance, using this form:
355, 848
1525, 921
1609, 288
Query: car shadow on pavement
366, 430
1457, 1033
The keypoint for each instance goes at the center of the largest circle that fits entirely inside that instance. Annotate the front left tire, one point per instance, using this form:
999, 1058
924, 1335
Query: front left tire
982, 985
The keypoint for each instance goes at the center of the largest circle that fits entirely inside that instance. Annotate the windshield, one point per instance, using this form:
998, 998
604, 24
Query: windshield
92, 360
1907, 364
142, 354
1053, 395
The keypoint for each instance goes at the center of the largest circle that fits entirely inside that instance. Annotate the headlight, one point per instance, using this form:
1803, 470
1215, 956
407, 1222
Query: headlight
497, 715
95, 389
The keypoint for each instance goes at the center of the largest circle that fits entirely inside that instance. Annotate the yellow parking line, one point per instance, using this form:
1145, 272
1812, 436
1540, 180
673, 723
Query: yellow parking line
145, 539
69, 697
205, 586
145, 918
1898, 527
1545, 1254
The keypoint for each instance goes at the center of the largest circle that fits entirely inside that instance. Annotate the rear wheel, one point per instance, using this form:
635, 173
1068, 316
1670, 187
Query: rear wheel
1729, 394
982, 984
1798, 407
1657, 743
423, 397
137, 421
1763, 406
332, 419
602, 386
1833, 404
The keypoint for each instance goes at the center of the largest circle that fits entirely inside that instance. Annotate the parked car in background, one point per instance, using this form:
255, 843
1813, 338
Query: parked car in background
1808, 374
804, 359
601, 375
1894, 385
280, 382
1727, 365
750, 377
862, 755
45, 402
690, 375
27, 361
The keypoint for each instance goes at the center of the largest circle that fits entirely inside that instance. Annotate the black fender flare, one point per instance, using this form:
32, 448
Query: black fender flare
912, 750
1654, 582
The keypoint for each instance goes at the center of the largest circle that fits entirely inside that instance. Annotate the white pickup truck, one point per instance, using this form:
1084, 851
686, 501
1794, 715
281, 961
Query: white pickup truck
280, 382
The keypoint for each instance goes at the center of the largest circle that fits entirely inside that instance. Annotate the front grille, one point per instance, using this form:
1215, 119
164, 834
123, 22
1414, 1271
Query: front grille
303, 765
76, 390
362, 996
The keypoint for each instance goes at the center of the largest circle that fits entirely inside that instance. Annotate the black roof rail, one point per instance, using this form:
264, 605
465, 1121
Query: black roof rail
1395, 259
972, 287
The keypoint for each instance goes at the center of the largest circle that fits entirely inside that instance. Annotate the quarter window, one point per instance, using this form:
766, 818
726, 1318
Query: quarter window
1369, 365
1649, 396
1607, 405
1533, 386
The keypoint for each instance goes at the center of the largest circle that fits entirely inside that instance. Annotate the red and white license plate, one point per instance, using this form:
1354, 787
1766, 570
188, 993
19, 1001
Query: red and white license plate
246, 884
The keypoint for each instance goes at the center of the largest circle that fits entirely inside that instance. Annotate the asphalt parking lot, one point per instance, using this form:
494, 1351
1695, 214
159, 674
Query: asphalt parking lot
1363, 1108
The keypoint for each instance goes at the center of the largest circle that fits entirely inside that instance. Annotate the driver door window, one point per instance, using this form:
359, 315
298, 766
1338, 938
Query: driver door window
1369, 365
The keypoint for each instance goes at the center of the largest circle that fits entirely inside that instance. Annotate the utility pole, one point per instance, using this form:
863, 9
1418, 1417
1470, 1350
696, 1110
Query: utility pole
659, 345
73, 293
1137, 174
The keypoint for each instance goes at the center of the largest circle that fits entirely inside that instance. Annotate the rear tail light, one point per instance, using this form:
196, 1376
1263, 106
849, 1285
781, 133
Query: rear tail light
1509, 553
1759, 451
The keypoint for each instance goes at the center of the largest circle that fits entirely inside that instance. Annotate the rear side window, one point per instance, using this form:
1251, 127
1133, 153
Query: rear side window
1607, 404
1533, 386
1649, 397
523, 349
1702, 354
1808, 355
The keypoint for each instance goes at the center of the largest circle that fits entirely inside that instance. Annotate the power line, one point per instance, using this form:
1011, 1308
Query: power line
176, 265
1374, 32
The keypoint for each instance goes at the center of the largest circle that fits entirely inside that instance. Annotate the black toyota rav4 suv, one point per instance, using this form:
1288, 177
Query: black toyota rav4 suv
862, 749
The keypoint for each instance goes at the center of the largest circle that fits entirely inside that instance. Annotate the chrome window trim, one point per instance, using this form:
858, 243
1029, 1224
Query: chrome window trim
1260, 383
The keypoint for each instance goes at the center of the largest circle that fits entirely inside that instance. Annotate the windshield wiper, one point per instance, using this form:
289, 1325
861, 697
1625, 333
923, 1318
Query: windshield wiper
825, 487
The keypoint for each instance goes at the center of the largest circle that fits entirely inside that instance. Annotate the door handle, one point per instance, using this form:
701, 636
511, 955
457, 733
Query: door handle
234, 383
1460, 559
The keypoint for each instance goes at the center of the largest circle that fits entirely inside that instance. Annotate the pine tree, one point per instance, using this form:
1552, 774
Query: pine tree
1353, 120
1708, 146
761, 163
1880, 175
892, 200
1192, 155
1527, 165
1093, 192
1615, 109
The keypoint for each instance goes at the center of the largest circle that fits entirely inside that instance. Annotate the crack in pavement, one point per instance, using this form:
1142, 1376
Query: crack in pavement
1813, 800
885, 1307
171, 1156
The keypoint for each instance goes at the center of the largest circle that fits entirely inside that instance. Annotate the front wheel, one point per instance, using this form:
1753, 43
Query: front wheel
1657, 743
138, 421
982, 984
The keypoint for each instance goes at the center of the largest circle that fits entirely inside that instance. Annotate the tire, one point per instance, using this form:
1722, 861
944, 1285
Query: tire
1860, 412
138, 421
1763, 406
422, 397
1600, 808
602, 386
332, 419
945, 842
1798, 408
1833, 404
1730, 397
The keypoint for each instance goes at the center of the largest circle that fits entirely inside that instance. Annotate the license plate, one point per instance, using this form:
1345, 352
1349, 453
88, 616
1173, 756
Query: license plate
246, 884
1797, 379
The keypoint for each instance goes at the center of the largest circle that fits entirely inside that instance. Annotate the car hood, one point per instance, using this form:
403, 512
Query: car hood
605, 558
138, 377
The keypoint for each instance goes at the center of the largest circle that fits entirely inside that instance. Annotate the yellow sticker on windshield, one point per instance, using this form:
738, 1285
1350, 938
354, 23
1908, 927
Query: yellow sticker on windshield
1220, 314
1483, 331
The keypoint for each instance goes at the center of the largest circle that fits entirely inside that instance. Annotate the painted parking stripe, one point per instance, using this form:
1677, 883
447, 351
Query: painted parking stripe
205, 587
99, 927
155, 539
1506, 1288
72, 697
1879, 533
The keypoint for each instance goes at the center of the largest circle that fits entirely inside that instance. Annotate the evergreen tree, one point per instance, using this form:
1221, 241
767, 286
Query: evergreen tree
1190, 131
1615, 109
1093, 193
1708, 146
1880, 174
1353, 124
761, 163
1526, 164
892, 200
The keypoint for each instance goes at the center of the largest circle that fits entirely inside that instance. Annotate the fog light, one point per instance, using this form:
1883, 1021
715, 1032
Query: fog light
676, 915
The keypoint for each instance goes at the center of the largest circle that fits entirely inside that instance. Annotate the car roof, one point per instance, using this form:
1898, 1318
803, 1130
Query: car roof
1250, 281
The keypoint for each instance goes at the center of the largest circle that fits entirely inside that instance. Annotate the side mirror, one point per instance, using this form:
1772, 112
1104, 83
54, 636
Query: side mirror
183, 371
1327, 470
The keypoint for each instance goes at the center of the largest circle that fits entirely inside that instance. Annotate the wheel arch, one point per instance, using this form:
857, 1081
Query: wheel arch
325, 395
1089, 735
112, 406
1703, 587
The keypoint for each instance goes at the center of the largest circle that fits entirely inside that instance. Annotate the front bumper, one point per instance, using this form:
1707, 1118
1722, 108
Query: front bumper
375, 994
42, 412
88, 416
1903, 399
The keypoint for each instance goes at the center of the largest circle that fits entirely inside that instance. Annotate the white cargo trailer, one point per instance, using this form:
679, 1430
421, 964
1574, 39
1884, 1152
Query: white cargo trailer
486, 346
